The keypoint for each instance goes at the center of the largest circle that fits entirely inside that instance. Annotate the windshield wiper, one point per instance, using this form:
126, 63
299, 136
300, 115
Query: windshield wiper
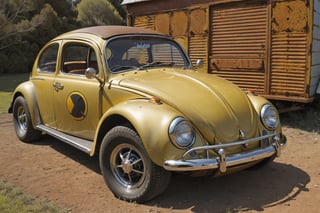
155, 64
123, 67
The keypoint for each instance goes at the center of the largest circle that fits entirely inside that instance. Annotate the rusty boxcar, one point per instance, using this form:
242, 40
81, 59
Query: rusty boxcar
270, 47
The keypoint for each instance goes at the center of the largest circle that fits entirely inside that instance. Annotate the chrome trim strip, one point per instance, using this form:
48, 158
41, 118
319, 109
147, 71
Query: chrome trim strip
219, 146
79, 143
214, 163
222, 161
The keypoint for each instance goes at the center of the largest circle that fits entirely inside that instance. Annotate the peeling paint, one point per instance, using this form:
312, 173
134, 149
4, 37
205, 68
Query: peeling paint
290, 16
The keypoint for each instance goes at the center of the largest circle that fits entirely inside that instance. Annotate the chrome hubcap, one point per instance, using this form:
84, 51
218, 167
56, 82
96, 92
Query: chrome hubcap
22, 118
128, 166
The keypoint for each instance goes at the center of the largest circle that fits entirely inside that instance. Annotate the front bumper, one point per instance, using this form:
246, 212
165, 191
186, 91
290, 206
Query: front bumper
222, 162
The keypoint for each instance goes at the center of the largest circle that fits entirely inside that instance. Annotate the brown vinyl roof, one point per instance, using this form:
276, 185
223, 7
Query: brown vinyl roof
110, 31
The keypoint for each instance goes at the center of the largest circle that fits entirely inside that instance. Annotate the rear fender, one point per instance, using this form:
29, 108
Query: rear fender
27, 90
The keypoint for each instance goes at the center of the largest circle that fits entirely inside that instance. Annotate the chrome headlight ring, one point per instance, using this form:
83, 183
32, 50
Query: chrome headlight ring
269, 117
182, 133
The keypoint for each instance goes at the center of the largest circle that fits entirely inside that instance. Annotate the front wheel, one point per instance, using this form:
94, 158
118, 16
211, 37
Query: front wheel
127, 169
22, 121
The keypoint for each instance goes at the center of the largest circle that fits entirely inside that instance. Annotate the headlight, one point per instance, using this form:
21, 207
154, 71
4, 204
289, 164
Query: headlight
270, 117
181, 133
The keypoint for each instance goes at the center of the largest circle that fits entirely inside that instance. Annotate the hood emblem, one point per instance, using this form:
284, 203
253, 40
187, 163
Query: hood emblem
242, 135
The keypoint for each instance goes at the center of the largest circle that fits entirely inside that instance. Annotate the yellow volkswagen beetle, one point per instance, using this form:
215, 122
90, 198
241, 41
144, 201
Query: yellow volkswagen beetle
131, 96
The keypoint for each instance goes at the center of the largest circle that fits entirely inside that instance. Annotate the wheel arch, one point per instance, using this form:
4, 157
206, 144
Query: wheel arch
150, 121
27, 91
107, 124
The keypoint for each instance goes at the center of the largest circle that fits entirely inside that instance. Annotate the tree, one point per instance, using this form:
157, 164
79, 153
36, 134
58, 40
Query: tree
26, 25
98, 12
121, 9
12, 23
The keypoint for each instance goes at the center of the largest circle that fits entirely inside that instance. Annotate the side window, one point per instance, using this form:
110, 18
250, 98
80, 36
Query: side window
48, 59
77, 58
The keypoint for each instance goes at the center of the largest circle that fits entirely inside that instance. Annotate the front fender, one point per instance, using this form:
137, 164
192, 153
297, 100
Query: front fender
258, 102
27, 90
151, 121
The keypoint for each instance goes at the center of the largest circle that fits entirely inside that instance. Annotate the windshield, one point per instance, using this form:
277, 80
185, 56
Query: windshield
143, 52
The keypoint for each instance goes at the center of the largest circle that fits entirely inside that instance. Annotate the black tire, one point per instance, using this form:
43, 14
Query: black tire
127, 169
22, 121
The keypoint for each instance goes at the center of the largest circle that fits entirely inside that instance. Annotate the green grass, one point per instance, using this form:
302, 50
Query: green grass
8, 82
5, 100
13, 200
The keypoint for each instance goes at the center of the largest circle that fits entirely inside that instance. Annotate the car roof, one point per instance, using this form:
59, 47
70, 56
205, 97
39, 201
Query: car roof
105, 32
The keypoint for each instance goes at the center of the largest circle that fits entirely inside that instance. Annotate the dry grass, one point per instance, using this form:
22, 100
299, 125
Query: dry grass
14, 200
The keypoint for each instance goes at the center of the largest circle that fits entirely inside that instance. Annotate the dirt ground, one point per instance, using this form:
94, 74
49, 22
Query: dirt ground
53, 170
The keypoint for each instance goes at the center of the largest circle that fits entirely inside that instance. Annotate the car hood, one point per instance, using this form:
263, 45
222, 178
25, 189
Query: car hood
217, 108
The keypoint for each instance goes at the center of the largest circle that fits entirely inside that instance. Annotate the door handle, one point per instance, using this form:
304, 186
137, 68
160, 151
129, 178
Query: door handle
58, 86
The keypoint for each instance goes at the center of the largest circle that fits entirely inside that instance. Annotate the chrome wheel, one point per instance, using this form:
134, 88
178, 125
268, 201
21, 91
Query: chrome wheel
128, 166
127, 169
22, 119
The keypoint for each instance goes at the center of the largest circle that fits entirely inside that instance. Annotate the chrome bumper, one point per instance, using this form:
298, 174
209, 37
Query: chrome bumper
222, 161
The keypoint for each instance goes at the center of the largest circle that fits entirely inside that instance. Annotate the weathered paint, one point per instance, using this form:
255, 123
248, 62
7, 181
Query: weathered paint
270, 47
289, 49
239, 44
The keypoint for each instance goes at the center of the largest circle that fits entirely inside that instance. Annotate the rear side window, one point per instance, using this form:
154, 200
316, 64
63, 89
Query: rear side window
48, 59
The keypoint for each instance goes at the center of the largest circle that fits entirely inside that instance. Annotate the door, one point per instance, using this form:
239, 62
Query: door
42, 79
76, 98
239, 40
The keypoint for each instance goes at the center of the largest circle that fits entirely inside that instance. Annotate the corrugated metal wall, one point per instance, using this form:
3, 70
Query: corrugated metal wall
289, 53
189, 28
198, 36
239, 44
144, 21
289, 61
260, 45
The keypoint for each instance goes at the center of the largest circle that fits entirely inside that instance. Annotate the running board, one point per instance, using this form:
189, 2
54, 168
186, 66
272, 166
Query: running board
79, 143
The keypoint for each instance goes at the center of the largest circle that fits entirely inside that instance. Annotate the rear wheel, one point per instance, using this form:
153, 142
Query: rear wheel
127, 169
22, 121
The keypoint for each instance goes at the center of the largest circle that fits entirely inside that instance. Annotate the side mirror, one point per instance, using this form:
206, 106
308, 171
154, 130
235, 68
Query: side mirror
199, 63
92, 73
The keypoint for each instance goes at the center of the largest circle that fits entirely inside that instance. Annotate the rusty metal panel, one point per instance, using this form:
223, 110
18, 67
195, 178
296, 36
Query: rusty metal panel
198, 37
289, 16
161, 23
198, 49
179, 24
289, 49
239, 44
179, 27
289, 58
144, 21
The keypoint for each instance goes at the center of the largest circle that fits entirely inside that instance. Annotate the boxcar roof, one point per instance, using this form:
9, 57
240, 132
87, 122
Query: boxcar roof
133, 1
